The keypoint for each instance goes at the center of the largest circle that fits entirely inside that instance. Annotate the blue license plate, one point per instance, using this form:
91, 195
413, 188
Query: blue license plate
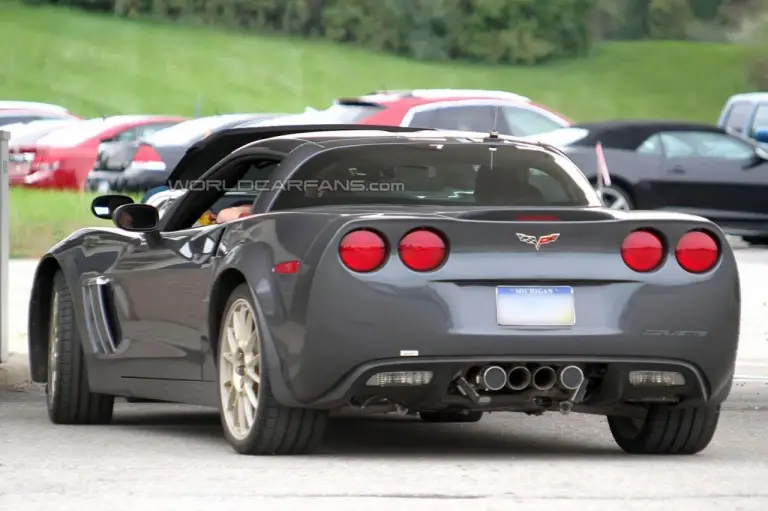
535, 306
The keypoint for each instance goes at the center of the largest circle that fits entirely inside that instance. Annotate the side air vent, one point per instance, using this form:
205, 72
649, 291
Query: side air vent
95, 295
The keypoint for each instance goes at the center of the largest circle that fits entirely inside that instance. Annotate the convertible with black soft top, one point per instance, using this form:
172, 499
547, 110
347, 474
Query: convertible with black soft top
430, 273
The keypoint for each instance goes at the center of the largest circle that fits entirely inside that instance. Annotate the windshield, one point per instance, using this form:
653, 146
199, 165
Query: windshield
561, 137
189, 132
478, 175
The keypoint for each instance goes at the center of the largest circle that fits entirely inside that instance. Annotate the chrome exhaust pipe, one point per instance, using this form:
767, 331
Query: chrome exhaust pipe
570, 377
544, 378
518, 378
491, 378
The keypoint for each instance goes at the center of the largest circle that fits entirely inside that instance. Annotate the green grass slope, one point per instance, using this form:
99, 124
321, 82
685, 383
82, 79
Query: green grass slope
102, 65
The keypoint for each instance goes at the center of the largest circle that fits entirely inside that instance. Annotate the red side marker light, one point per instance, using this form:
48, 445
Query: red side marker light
422, 250
697, 252
363, 251
287, 268
642, 251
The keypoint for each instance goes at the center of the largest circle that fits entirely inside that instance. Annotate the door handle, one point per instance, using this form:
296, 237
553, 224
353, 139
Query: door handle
677, 169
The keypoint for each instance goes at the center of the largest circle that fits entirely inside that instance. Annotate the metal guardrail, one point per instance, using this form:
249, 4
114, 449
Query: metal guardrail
5, 242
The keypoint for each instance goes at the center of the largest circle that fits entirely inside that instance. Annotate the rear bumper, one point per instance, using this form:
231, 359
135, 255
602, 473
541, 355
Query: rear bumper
610, 389
448, 328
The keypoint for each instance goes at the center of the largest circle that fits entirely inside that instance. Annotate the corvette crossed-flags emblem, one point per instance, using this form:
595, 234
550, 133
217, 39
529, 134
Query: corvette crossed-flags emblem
538, 242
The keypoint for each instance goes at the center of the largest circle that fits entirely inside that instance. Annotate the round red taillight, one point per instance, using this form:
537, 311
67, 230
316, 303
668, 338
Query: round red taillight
697, 252
422, 250
363, 251
642, 251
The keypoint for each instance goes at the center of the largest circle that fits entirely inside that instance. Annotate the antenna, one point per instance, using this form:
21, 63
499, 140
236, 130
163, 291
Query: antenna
494, 132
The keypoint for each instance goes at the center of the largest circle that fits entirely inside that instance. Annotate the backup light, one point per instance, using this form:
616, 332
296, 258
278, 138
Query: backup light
400, 379
656, 378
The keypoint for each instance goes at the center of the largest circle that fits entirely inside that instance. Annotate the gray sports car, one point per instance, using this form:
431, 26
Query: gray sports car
429, 273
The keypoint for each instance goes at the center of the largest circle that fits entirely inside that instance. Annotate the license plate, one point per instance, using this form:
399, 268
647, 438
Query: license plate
535, 306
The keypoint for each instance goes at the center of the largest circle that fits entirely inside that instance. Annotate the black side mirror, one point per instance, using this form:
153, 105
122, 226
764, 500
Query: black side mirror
761, 135
105, 206
137, 218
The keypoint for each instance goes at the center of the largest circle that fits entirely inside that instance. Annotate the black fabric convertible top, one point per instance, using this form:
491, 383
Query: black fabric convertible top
208, 152
629, 134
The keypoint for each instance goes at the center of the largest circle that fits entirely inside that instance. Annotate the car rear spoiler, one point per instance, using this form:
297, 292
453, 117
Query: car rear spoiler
208, 152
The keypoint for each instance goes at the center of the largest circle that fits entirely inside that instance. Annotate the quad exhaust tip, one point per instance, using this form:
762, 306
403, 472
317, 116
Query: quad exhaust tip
492, 378
570, 377
519, 378
544, 378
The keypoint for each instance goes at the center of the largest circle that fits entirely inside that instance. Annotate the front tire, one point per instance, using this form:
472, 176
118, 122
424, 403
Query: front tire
254, 422
666, 430
68, 396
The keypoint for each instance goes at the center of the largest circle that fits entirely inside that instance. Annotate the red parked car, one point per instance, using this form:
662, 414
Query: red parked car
23, 145
65, 156
449, 109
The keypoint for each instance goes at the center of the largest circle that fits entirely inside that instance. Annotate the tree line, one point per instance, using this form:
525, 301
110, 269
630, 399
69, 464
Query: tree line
487, 31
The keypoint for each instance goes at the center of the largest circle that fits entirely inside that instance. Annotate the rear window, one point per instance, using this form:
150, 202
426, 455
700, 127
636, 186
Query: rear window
438, 174
189, 132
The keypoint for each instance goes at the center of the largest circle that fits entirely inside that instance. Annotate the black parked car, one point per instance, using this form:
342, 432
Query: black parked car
676, 166
138, 166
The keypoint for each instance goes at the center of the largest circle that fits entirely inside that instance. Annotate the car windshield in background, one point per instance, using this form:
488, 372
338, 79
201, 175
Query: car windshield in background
34, 131
437, 174
561, 137
73, 135
191, 131
336, 114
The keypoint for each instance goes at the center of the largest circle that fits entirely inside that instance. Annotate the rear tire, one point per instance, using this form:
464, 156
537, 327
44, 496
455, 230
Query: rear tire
666, 430
452, 416
69, 399
757, 241
268, 427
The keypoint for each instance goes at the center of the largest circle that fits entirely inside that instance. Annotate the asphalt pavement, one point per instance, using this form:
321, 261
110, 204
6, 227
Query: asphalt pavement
163, 457
157, 457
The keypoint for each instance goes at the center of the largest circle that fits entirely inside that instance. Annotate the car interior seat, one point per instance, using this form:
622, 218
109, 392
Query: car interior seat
506, 187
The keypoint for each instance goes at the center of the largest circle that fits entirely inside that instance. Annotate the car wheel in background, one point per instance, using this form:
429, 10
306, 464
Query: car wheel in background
452, 416
68, 396
616, 197
758, 241
252, 419
666, 430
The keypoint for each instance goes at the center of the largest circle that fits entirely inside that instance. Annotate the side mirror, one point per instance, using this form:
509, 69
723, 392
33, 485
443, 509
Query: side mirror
761, 135
105, 206
137, 218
